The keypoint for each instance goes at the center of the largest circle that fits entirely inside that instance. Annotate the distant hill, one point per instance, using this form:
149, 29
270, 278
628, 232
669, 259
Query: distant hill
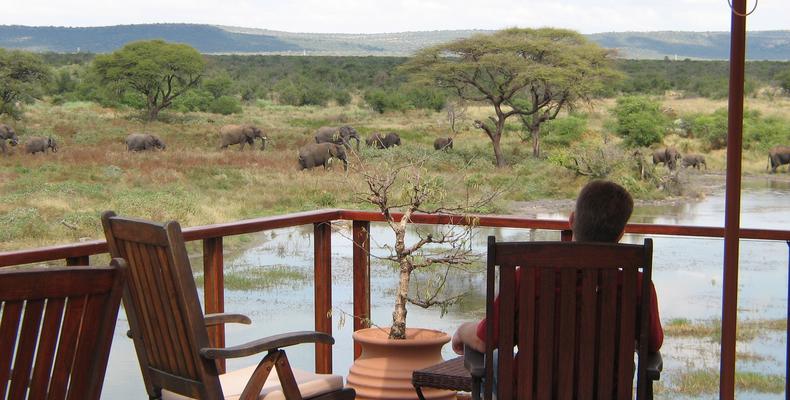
763, 45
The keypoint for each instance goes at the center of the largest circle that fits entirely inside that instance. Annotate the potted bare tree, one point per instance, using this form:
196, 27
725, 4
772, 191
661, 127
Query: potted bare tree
389, 355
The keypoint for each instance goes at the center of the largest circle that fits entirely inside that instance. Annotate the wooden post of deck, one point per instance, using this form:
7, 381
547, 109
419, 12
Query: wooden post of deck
566, 235
323, 293
732, 203
214, 291
361, 234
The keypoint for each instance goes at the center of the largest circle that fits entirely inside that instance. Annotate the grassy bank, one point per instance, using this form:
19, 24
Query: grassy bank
57, 198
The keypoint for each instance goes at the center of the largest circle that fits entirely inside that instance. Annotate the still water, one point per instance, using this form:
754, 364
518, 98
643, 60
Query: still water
687, 275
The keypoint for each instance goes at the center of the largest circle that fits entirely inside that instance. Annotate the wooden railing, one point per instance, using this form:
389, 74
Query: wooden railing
212, 236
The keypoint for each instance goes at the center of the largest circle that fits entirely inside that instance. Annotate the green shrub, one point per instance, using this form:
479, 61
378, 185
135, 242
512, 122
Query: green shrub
225, 105
564, 131
386, 100
426, 98
193, 100
710, 128
639, 121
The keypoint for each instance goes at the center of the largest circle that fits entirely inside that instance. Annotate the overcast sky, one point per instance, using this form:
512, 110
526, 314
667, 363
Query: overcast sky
373, 16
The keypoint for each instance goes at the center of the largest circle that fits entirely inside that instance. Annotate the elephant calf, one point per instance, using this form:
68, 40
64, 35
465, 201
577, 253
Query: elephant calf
341, 135
241, 134
143, 141
314, 154
36, 144
694, 161
7, 134
443, 143
376, 139
778, 156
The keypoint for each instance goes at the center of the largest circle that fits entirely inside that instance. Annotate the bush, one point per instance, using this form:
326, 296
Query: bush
426, 98
710, 128
302, 92
384, 100
193, 100
225, 105
640, 121
564, 131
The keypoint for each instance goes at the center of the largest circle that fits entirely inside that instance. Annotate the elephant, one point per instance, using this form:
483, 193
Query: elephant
314, 154
391, 140
7, 134
443, 143
143, 141
694, 161
241, 134
375, 139
341, 135
779, 156
36, 144
669, 156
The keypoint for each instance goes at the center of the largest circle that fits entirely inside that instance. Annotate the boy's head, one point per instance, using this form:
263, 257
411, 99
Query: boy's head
602, 210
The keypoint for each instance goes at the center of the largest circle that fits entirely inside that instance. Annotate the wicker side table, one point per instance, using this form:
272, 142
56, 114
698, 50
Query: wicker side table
449, 375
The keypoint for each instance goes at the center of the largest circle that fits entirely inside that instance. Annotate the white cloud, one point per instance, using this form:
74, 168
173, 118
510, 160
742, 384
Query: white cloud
356, 16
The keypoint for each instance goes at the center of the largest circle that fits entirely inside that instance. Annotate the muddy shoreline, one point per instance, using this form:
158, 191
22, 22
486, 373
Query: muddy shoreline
696, 186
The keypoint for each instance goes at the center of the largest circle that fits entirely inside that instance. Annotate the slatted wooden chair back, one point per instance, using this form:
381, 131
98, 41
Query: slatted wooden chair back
162, 305
56, 330
574, 316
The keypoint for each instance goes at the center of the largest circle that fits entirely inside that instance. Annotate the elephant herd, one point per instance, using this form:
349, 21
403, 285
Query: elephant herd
33, 144
670, 157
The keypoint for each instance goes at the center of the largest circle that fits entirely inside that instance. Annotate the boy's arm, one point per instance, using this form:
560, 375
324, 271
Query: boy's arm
467, 334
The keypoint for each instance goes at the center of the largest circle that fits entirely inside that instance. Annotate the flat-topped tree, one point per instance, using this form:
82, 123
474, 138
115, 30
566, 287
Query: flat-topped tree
520, 72
157, 70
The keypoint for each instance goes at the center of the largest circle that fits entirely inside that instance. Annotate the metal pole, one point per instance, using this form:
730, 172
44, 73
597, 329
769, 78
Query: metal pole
732, 209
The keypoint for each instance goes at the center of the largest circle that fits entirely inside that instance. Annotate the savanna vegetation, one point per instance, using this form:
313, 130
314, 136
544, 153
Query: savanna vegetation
571, 127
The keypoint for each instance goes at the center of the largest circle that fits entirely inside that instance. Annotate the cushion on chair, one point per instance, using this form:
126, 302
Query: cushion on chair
233, 383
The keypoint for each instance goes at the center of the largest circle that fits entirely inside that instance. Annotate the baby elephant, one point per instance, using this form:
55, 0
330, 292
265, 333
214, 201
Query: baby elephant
143, 141
36, 144
314, 154
694, 160
7, 134
241, 134
443, 143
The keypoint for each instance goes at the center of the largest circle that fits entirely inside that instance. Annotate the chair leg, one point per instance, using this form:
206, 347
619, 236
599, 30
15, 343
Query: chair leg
286, 375
418, 389
258, 378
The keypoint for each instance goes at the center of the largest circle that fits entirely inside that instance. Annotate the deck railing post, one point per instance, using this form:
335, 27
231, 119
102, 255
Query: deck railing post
566, 235
361, 234
80, 260
323, 293
214, 290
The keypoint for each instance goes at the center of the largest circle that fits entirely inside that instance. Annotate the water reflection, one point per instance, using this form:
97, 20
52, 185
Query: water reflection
687, 276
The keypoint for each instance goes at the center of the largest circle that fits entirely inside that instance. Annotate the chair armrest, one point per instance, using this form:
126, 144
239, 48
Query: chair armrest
474, 362
267, 343
223, 318
655, 364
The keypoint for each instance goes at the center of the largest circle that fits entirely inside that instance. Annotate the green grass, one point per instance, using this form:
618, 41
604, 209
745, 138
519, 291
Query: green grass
711, 329
706, 381
259, 278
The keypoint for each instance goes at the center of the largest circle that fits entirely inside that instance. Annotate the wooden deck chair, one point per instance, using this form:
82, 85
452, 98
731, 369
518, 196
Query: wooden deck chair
56, 330
169, 329
574, 318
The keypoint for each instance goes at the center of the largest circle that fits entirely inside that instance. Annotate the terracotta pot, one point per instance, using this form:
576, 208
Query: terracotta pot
383, 370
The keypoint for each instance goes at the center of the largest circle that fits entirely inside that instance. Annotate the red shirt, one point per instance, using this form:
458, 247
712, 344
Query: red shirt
656, 331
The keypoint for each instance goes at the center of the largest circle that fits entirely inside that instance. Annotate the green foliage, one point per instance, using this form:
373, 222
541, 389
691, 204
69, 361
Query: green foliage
194, 100
219, 85
22, 77
382, 100
564, 131
157, 70
711, 128
301, 91
639, 121
783, 79
225, 105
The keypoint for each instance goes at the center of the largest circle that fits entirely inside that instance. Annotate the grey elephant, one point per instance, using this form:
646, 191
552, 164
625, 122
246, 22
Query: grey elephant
778, 156
143, 141
391, 140
668, 156
241, 134
341, 135
35, 144
694, 161
7, 134
312, 155
443, 143
375, 139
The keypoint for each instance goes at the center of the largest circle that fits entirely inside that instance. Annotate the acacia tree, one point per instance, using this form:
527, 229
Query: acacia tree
570, 70
22, 75
515, 70
157, 70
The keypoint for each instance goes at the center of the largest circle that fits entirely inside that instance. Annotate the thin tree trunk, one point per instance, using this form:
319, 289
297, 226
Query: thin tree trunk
398, 329
535, 131
500, 157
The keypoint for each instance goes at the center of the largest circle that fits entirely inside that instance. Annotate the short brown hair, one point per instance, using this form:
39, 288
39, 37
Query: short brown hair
602, 210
